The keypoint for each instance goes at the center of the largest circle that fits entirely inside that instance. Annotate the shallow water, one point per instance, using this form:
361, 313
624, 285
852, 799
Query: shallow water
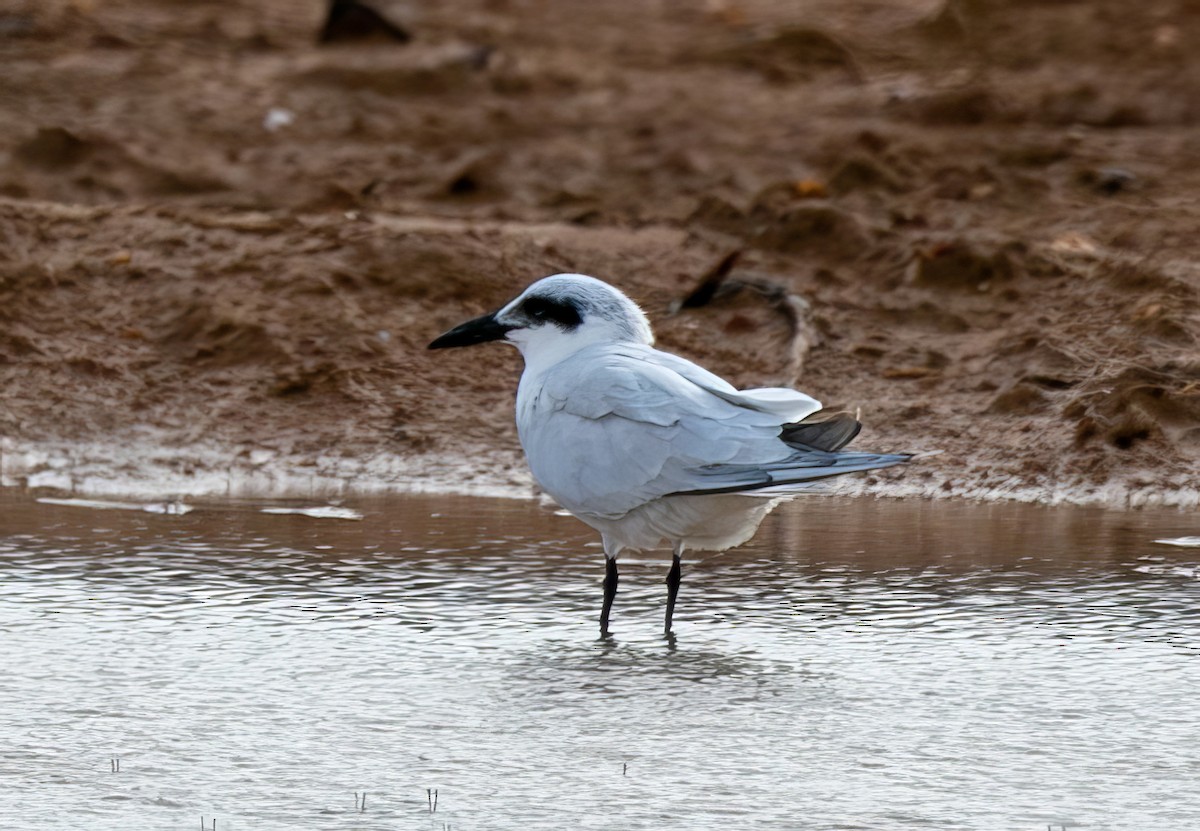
862, 664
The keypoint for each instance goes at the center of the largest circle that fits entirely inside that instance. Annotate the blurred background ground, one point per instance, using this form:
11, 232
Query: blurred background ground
224, 246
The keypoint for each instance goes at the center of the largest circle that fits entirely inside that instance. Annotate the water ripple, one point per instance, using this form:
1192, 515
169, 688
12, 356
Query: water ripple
1015, 668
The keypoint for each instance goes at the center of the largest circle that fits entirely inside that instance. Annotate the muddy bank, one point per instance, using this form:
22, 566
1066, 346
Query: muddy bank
223, 247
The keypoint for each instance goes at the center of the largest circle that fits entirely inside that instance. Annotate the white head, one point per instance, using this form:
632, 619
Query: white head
555, 317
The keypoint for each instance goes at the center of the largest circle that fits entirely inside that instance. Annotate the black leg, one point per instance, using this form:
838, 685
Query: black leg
610, 591
672, 591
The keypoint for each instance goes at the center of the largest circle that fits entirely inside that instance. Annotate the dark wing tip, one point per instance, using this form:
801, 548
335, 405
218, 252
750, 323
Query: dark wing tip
829, 433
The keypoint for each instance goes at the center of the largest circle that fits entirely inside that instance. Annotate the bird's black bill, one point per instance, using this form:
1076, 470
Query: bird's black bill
479, 330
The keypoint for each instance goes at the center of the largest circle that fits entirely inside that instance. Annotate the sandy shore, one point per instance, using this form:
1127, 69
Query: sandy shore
144, 470
224, 247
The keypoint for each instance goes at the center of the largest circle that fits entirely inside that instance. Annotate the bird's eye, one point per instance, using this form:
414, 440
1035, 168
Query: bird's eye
562, 313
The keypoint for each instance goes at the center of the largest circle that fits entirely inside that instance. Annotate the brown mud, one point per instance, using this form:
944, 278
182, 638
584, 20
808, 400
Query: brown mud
224, 246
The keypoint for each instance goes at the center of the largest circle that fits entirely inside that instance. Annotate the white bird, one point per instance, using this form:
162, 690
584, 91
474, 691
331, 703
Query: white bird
645, 446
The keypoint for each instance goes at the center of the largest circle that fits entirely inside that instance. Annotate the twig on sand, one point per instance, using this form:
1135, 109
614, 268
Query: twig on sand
716, 284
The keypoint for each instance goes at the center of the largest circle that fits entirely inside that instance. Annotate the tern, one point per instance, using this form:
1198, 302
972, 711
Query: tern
647, 447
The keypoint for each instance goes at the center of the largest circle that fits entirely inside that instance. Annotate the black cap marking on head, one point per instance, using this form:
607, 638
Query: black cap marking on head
562, 312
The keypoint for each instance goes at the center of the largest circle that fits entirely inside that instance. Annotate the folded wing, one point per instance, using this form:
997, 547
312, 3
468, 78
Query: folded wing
619, 425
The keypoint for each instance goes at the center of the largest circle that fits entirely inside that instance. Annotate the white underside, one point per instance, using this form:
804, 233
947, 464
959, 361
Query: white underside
704, 523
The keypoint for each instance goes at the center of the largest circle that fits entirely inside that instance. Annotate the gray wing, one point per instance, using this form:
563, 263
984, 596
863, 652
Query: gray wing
615, 427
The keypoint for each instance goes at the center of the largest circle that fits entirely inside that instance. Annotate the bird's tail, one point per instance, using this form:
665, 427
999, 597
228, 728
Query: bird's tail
795, 472
835, 464
813, 467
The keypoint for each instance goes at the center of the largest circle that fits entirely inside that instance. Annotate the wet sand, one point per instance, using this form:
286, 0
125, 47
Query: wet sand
224, 247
